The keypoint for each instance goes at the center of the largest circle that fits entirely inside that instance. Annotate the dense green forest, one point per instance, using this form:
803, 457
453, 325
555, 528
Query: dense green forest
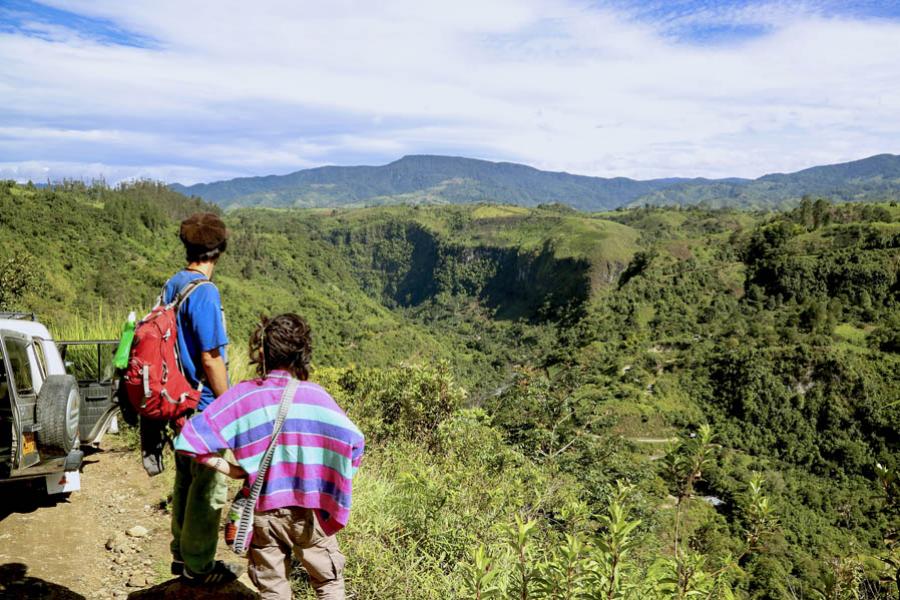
643, 403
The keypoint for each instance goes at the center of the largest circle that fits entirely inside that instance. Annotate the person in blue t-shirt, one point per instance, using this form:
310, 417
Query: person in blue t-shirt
202, 338
200, 493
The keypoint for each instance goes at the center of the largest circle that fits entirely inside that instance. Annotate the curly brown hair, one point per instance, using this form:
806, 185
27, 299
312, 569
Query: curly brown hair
282, 342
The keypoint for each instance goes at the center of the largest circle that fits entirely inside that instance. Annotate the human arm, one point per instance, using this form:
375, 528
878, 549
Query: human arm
216, 372
218, 463
207, 326
203, 439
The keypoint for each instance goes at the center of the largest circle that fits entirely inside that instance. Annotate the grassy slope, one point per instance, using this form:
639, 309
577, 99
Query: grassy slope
83, 267
278, 260
645, 369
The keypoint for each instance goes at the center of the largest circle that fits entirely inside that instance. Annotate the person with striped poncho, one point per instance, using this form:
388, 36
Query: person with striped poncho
306, 494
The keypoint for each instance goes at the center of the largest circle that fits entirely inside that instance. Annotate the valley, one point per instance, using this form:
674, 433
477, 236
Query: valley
547, 365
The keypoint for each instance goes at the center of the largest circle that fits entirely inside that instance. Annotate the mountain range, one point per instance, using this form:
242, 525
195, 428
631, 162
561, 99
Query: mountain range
430, 179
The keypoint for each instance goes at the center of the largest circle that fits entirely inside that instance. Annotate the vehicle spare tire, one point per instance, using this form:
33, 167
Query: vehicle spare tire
58, 413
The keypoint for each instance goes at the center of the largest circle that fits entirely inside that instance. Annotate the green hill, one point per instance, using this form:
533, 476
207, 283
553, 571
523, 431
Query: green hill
876, 178
424, 179
456, 180
536, 384
345, 270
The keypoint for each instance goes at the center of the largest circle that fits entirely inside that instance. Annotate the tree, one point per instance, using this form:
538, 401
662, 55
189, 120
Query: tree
15, 279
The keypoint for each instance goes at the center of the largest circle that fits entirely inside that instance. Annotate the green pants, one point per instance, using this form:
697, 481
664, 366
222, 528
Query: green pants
198, 498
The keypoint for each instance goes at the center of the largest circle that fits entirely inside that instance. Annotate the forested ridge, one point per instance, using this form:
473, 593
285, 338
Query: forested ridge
643, 403
429, 179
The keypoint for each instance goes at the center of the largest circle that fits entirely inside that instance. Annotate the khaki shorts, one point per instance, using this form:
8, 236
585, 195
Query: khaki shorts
279, 533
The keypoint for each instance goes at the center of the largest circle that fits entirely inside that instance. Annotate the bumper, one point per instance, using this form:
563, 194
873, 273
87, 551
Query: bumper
50, 468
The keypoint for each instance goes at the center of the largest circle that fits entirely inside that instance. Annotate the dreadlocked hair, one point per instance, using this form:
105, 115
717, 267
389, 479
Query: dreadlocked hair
282, 342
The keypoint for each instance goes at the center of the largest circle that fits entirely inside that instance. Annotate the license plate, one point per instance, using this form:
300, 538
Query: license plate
28, 444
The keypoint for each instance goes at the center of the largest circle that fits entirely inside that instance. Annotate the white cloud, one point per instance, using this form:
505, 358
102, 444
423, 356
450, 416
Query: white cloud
235, 88
43, 171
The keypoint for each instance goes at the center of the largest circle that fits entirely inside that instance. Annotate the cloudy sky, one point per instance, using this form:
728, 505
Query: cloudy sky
189, 91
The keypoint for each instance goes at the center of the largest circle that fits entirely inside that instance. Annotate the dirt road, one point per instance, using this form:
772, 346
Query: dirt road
80, 547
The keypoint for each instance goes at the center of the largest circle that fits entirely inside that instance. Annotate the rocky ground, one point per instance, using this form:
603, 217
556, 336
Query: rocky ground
107, 541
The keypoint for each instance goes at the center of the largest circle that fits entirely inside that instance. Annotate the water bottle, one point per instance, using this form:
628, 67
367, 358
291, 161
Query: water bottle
124, 350
234, 517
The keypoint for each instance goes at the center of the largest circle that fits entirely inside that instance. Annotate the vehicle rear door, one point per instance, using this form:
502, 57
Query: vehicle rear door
21, 375
91, 364
9, 422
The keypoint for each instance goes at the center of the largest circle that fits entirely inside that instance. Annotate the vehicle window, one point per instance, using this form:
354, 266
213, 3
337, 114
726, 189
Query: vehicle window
3, 387
89, 362
39, 356
17, 353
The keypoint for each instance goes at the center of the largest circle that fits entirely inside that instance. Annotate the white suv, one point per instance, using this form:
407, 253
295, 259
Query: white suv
45, 413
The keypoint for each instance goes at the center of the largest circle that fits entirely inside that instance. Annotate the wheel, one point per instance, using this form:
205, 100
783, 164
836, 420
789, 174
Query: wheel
57, 413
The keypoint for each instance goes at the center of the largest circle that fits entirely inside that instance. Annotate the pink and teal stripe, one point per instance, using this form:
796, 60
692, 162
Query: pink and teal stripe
319, 448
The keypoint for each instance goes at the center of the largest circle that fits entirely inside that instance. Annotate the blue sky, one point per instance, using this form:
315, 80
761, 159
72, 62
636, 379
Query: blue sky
192, 91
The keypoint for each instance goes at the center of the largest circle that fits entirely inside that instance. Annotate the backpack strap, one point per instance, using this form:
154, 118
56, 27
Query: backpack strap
182, 294
186, 292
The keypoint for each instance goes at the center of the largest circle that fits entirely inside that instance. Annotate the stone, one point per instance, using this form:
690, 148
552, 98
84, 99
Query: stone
138, 531
137, 580
174, 589
116, 543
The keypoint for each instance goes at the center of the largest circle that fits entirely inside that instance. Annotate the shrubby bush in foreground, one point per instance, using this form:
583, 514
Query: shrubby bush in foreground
446, 508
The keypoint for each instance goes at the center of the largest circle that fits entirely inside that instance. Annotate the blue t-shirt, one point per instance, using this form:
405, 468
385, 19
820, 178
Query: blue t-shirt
201, 328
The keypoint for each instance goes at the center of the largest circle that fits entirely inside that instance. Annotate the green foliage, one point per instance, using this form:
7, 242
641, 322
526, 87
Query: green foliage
871, 179
426, 496
409, 402
528, 396
479, 576
16, 278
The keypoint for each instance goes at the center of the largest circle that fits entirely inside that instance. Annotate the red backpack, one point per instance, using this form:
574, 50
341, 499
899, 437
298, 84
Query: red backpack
154, 382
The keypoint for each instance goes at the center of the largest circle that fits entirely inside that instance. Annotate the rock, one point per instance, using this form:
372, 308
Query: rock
174, 589
116, 543
137, 580
120, 560
137, 531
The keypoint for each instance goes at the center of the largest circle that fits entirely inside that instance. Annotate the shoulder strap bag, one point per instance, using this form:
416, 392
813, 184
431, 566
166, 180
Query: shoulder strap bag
245, 524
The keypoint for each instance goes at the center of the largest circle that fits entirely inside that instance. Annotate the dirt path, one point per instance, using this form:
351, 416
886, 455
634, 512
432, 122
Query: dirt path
79, 548
651, 440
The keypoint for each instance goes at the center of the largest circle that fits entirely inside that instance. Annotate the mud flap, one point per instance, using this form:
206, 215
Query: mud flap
63, 483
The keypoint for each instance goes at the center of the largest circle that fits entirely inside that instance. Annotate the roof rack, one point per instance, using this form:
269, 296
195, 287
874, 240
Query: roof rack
18, 315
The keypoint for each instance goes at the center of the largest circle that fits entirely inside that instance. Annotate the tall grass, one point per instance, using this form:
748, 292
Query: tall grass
107, 325
239, 367
103, 325
81, 361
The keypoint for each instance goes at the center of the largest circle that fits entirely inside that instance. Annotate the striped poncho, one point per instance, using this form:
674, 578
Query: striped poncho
318, 452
